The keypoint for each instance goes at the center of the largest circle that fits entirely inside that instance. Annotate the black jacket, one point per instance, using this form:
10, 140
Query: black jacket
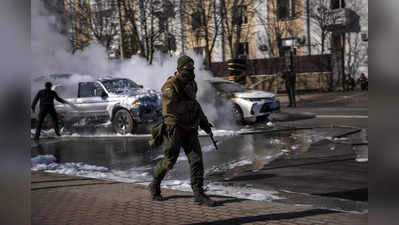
46, 97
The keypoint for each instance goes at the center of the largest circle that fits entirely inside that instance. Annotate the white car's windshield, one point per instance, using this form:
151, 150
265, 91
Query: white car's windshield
119, 85
228, 87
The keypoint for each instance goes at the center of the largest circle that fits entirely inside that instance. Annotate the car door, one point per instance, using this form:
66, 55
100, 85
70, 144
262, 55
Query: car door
89, 101
69, 93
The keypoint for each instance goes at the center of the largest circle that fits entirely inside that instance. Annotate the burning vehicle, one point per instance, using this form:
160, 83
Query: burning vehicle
247, 105
120, 101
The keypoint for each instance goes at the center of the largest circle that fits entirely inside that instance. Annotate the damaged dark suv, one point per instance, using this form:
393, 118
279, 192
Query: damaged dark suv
119, 101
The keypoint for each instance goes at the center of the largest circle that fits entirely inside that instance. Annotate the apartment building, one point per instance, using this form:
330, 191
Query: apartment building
247, 28
217, 29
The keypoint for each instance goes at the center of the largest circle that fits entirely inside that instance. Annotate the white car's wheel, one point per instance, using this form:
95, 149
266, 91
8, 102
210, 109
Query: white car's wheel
238, 114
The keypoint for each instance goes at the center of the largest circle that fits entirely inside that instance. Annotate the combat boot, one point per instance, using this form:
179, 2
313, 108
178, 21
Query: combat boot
202, 199
155, 190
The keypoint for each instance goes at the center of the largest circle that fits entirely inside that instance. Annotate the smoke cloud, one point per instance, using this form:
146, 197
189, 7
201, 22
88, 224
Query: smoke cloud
52, 54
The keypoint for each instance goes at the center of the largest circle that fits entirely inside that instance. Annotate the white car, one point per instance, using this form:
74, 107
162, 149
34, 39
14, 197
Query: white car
247, 105
117, 100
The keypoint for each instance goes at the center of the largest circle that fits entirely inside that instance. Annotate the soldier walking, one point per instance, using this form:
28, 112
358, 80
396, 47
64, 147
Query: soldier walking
182, 116
46, 97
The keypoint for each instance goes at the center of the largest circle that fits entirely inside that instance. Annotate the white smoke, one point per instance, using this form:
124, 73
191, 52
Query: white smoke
52, 53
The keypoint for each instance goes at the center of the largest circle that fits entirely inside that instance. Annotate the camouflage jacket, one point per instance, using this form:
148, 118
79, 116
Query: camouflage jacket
180, 107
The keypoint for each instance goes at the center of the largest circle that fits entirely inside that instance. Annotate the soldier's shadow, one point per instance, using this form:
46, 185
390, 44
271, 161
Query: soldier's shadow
220, 200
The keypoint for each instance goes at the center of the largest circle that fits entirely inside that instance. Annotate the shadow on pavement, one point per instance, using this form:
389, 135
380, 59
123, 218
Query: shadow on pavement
213, 197
355, 195
286, 116
228, 201
177, 197
347, 158
252, 177
72, 185
270, 217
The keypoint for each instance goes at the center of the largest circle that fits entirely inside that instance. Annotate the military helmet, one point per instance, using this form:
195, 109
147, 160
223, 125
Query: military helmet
182, 60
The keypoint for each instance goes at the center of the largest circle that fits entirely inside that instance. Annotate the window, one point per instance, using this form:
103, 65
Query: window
163, 24
119, 85
65, 91
243, 49
89, 89
82, 2
240, 15
84, 24
197, 20
285, 9
336, 4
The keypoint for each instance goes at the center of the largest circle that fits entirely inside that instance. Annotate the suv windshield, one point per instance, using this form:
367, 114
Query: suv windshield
119, 85
228, 87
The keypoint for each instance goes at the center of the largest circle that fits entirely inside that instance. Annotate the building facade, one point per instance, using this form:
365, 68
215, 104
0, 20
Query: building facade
216, 29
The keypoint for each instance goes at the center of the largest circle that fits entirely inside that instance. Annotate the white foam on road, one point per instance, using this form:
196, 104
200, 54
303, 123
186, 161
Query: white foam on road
216, 133
240, 163
141, 175
362, 159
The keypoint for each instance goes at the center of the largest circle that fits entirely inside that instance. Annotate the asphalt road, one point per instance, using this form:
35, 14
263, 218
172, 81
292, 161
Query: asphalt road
320, 172
326, 174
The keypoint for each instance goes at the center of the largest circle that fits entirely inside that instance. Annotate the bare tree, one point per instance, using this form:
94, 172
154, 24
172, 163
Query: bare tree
77, 13
281, 22
236, 18
205, 22
319, 18
103, 22
146, 25
356, 55
97, 21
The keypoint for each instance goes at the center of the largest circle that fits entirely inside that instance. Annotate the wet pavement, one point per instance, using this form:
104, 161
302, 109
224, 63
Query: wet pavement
306, 166
302, 161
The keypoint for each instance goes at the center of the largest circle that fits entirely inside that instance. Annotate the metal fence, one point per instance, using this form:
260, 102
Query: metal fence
303, 64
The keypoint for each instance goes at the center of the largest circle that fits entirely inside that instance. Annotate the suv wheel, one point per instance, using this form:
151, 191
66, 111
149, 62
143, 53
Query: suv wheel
237, 114
48, 123
123, 122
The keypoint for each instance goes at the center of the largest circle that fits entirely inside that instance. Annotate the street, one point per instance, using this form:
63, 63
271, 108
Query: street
306, 157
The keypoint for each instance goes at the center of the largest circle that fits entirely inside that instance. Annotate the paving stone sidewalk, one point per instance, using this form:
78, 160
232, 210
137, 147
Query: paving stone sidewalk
60, 199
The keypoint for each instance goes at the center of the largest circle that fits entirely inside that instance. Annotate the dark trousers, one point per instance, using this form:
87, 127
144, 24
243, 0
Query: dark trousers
290, 86
42, 114
173, 139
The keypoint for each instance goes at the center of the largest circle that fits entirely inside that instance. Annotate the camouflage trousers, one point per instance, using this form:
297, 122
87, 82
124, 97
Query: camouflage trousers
173, 139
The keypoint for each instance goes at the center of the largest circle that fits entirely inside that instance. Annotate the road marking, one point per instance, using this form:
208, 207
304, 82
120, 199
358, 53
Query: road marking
344, 116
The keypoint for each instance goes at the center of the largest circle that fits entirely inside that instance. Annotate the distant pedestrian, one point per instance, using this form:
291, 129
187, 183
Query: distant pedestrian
289, 77
46, 97
349, 83
364, 82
